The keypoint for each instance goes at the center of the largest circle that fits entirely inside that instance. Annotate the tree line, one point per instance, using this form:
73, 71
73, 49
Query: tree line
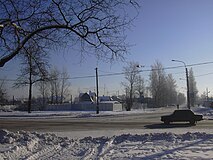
53, 85
162, 86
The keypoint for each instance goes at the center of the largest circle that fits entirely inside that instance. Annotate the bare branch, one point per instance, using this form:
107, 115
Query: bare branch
97, 25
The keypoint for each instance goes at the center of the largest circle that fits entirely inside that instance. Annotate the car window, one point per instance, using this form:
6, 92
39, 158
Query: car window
183, 112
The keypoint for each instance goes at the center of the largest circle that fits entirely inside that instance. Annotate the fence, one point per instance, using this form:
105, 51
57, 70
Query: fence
84, 107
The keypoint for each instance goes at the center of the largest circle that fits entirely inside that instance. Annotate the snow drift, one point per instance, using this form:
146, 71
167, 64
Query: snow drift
33, 145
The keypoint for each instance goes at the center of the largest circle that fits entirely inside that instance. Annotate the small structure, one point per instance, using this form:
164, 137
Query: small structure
104, 98
87, 102
88, 97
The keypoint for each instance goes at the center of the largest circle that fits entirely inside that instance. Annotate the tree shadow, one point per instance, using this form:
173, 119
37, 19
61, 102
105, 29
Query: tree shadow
172, 125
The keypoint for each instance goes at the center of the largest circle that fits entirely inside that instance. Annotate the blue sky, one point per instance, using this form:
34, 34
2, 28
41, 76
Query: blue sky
164, 30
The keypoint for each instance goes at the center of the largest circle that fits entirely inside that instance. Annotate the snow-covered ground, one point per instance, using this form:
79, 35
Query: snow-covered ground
8, 112
157, 144
32, 145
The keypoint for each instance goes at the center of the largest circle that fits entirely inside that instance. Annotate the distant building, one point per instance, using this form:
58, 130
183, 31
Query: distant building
208, 103
105, 98
115, 98
88, 97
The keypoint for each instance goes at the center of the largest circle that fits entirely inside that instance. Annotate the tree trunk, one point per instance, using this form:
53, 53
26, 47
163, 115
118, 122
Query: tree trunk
30, 87
30, 97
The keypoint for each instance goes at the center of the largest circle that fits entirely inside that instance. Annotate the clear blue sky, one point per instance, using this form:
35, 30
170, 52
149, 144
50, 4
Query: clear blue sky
164, 30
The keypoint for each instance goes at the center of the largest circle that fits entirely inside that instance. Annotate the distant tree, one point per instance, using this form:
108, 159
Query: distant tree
158, 84
131, 72
54, 81
202, 98
43, 89
162, 86
181, 98
3, 92
192, 88
171, 89
140, 86
59, 85
94, 26
33, 69
64, 84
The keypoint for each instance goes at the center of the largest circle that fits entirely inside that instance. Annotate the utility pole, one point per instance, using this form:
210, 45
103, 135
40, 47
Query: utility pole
207, 94
97, 107
187, 82
13, 100
71, 99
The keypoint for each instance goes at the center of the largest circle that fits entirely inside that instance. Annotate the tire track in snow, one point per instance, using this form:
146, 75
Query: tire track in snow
91, 155
52, 151
45, 153
99, 150
105, 148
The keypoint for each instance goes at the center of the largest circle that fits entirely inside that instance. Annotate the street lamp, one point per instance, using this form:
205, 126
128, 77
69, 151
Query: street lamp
187, 82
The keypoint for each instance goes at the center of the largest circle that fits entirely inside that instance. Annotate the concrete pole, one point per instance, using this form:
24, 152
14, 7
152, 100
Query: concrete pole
187, 83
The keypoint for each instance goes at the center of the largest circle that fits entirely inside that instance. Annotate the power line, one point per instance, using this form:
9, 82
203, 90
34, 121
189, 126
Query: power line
122, 73
201, 75
198, 64
165, 68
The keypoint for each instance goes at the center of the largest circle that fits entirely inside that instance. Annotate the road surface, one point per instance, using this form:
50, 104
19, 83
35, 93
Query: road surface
145, 121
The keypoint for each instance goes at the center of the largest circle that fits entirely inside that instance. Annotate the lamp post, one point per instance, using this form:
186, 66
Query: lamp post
187, 82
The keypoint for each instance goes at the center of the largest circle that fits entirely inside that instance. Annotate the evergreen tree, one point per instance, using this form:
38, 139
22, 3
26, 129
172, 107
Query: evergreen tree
162, 86
192, 88
158, 84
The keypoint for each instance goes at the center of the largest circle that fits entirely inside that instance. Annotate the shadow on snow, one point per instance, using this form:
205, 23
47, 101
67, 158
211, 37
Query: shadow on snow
172, 125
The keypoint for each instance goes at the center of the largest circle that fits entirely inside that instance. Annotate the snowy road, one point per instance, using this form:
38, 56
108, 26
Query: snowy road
85, 122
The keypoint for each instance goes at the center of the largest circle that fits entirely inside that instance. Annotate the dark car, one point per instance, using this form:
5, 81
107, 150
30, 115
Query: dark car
182, 116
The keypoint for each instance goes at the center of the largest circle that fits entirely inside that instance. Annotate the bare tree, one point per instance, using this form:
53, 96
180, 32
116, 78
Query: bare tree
33, 69
3, 92
96, 26
140, 86
64, 84
59, 85
131, 75
43, 89
54, 81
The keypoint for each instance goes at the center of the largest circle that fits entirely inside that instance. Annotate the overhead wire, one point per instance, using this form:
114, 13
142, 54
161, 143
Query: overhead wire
122, 73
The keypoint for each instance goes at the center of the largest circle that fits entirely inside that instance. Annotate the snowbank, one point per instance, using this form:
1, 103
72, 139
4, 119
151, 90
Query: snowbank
33, 145
73, 114
207, 112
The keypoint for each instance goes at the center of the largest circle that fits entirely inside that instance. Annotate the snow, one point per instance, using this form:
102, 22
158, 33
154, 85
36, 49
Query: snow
106, 144
71, 114
33, 145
